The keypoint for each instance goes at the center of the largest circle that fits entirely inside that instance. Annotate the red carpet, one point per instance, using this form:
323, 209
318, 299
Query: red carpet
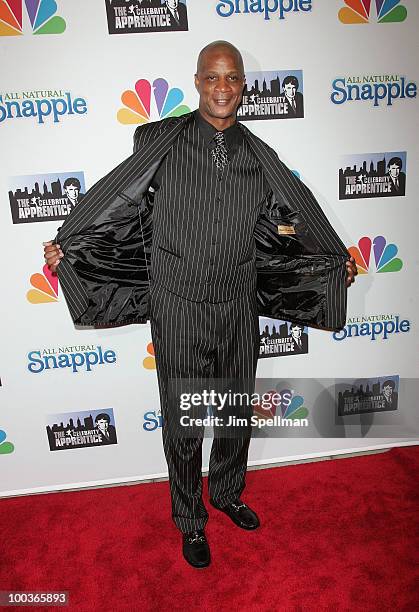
336, 536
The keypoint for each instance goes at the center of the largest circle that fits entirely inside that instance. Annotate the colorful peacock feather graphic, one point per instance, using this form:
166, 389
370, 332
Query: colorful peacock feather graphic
137, 104
295, 409
149, 362
41, 14
384, 255
5, 447
45, 287
359, 11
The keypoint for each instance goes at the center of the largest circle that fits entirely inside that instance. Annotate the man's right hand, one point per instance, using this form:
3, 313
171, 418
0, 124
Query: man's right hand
53, 255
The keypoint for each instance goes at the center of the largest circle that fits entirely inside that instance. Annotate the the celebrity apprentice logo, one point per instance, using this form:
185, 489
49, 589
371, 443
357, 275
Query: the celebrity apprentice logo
275, 94
279, 338
373, 175
81, 429
138, 106
138, 16
45, 197
368, 395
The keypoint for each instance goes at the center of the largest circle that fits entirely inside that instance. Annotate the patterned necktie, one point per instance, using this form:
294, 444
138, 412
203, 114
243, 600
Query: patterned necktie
219, 152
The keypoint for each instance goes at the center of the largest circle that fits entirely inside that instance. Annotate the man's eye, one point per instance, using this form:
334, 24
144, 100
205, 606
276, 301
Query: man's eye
211, 77
234, 78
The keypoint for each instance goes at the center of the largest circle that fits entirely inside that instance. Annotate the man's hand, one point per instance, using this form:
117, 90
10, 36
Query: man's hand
351, 271
53, 255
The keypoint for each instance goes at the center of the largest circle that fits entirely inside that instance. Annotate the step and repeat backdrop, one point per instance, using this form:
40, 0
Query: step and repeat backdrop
332, 86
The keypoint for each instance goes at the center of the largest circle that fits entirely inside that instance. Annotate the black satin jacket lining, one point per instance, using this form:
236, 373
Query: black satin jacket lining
112, 272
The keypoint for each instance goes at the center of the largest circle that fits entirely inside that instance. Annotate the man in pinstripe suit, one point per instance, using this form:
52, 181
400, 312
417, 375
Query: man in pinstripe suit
215, 191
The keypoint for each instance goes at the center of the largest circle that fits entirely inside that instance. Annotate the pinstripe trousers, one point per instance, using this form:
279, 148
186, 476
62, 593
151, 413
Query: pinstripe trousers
211, 340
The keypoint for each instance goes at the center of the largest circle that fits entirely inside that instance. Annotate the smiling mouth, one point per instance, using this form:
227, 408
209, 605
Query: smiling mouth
222, 102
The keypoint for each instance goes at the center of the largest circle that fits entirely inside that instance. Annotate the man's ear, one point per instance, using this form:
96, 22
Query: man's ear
196, 79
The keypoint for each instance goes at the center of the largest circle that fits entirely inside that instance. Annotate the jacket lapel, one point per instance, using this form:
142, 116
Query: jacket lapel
131, 178
296, 196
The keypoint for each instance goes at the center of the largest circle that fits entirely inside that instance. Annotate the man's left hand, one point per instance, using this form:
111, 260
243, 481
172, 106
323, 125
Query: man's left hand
351, 271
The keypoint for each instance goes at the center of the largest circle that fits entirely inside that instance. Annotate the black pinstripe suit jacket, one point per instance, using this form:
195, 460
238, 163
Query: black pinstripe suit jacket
107, 242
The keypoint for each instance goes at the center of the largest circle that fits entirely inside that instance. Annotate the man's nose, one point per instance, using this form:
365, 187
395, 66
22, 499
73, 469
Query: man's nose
223, 85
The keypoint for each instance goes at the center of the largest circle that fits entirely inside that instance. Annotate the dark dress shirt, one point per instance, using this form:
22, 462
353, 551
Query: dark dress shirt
203, 219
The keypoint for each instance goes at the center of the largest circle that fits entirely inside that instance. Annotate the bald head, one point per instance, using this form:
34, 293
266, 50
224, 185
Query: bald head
219, 80
219, 47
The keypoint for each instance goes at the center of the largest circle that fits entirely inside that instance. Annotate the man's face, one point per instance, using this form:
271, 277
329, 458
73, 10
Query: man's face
387, 392
72, 192
219, 81
172, 4
102, 424
394, 170
290, 90
296, 332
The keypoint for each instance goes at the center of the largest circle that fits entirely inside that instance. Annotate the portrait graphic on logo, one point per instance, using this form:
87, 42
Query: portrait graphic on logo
72, 189
298, 337
106, 431
294, 98
178, 15
390, 395
397, 177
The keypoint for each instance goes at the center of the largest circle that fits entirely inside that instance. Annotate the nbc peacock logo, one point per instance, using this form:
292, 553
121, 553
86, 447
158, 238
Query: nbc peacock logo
149, 362
280, 402
5, 447
138, 108
360, 11
382, 254
41, 14
45, 287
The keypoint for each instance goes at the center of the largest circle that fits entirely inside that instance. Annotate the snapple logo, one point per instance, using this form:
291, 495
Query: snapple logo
152, 420
374, 326
375, 88
40, 105
226, 8
80, 359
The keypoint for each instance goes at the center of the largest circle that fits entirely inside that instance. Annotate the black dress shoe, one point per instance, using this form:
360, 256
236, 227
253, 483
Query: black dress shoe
240, 514
195, 548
